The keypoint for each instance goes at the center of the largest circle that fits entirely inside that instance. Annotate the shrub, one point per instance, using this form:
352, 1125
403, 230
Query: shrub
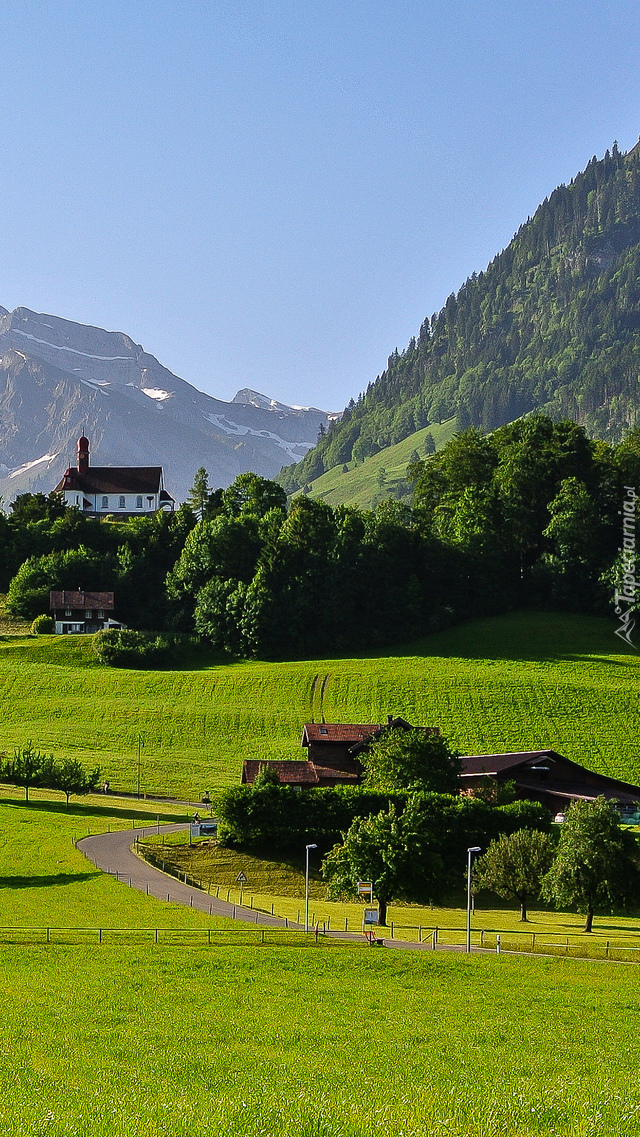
123, 647
43, 626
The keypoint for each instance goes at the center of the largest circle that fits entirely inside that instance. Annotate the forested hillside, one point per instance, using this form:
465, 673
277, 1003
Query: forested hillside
529, 516
553, 324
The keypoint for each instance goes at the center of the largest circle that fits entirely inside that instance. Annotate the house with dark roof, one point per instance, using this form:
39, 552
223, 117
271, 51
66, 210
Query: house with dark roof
333, 750
547, 777
82, 613
129, 491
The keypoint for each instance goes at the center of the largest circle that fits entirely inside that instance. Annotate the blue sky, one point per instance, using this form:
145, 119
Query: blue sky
275, 195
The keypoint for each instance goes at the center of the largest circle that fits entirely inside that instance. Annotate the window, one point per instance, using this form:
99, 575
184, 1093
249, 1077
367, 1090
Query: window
100, 614
139, 501
105, 502
67, 611
87, 614
121, 501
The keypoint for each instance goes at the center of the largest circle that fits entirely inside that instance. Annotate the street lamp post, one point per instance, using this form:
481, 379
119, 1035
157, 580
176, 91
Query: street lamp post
140, 745
306, 887
470, 852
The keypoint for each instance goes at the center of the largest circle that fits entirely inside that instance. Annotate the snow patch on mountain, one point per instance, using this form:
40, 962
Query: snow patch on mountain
30, 465
154, 392
295, 450
73, 350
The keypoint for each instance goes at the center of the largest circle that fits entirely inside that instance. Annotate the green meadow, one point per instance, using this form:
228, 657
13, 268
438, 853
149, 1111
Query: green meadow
287, 1038
378, 477
309, 1042
518, 682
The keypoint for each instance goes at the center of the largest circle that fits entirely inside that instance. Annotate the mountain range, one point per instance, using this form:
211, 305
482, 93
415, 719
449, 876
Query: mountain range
552, 325
59, 379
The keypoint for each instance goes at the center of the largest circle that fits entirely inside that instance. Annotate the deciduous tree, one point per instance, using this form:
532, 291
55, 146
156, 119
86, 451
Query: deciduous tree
514, 866
411, 760
595, 864
70, 777
389, 850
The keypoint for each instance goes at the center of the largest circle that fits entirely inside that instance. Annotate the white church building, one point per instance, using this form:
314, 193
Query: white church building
123, 490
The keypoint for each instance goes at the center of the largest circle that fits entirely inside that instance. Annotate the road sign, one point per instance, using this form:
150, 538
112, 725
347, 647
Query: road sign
241, 878
370, 916
365, 888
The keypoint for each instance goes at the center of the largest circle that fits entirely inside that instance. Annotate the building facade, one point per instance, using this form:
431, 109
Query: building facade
129, 491
82, 613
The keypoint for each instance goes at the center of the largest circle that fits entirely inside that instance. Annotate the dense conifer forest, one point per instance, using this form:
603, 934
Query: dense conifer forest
553, 324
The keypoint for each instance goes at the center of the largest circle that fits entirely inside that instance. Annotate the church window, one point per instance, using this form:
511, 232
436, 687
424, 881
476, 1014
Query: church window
139, 501
105, 502
121, 502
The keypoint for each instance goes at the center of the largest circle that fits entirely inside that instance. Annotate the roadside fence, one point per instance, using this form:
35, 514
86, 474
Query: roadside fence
245, 935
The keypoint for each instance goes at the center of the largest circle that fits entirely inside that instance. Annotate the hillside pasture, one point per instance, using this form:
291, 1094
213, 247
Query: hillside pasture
518, 682
380, 476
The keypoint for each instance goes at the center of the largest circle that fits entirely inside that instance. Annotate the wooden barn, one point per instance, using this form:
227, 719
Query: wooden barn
332, 749
547, 777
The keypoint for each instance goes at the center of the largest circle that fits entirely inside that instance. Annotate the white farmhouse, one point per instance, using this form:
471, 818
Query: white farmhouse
124, 490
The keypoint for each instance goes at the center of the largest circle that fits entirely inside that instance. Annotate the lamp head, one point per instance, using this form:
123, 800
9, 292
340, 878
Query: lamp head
474, 849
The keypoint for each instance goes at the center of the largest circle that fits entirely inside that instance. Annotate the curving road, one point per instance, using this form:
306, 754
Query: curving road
112, 853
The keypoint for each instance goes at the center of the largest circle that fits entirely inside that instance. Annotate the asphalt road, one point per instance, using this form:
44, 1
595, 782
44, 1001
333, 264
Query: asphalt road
112, 853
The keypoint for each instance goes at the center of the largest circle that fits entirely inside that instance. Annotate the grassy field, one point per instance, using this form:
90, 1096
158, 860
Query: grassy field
517, 682
140, 1042
45, 880
368, 482
298, 1040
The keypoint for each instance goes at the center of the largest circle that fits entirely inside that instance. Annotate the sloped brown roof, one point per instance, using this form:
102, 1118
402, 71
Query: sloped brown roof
78, 600
113, 479
491, 764
477, 765
290, 772
336, 732
299, 773
335, 773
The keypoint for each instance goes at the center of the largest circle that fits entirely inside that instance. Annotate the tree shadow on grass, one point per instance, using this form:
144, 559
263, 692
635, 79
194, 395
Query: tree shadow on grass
48, 881
80, 811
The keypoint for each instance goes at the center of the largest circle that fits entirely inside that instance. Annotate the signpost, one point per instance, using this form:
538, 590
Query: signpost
365, 888
241, 880
370, 919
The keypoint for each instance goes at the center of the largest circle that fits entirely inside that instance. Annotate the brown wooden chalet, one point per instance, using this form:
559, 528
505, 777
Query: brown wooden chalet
128, 491
547, 777
78, 613
333, 750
